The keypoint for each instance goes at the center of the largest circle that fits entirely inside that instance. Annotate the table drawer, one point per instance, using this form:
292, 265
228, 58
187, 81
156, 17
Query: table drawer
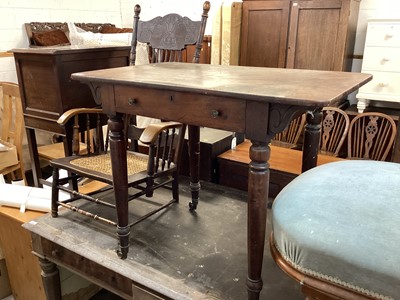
384, 34
384, 83
210, 111
385, 59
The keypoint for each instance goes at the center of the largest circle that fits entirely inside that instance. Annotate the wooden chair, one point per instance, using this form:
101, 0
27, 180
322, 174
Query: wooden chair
336, 230
168, 36
289, 138
334, 129
371, 136
146, 172
12, 130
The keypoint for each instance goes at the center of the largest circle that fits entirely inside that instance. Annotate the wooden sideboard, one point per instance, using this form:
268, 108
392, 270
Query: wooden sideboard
47, 90
303, 34
382, 60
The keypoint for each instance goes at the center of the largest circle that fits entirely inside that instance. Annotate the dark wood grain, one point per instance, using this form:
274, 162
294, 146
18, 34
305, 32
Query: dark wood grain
269, 97
47, 90
318, 35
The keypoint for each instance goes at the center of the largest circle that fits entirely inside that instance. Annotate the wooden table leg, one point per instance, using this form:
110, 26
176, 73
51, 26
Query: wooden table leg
194, 158
312, 134
50, 278
257, 215
33, 151
119, 173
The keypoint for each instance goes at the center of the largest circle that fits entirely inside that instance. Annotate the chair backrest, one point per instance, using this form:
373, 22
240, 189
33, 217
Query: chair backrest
290, 136
163, 140
371, 136
335, 126
12, 125
169, 35
87, 128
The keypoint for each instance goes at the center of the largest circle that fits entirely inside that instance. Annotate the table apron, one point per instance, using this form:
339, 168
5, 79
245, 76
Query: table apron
189, 108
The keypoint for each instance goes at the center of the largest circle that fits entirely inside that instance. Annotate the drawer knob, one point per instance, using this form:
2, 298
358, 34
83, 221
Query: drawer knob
132, 101
388, 36
383, 84
385, 59
215, 113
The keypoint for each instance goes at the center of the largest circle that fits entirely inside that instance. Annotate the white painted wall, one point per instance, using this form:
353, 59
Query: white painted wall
14, 13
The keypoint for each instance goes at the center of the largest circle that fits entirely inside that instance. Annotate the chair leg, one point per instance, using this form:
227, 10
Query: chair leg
175, 187
149, 187
123, 236
54, 193
73, 183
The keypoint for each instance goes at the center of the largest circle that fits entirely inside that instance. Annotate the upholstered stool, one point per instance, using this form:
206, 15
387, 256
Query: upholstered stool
336, 229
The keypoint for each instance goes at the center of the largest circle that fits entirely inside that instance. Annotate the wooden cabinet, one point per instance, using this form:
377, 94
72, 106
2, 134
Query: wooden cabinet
305, 34
47, 90
382, 60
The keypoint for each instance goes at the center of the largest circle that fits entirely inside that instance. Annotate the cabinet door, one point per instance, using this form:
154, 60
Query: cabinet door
316, 33
264, 33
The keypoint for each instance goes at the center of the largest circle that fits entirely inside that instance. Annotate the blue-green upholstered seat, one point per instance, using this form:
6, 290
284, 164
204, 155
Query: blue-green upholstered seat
341, 222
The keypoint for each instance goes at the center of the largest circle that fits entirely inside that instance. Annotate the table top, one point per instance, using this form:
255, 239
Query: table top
308, 88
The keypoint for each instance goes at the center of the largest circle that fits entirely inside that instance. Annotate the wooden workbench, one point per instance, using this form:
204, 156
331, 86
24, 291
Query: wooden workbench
23, 267
174, 254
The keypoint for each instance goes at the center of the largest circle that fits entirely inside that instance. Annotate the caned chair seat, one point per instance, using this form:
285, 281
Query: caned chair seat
336, 228
101, 165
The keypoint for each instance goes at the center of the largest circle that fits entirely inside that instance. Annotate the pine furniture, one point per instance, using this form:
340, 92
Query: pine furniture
12, 128
285, 165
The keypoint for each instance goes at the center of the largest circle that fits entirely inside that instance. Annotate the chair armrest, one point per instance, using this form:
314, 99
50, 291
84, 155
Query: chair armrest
66, 116
152, 131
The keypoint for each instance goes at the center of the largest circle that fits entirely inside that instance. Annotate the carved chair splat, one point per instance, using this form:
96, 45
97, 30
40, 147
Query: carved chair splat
371, 136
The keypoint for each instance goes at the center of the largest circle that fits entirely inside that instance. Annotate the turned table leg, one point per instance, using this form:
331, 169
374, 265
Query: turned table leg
33, 151
312, 134
120, 176
257, 215
51, 279
194, 158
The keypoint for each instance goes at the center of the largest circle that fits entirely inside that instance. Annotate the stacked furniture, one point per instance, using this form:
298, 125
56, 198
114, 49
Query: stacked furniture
381, 59
47, 90
369, 136
57, 33
285, 165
